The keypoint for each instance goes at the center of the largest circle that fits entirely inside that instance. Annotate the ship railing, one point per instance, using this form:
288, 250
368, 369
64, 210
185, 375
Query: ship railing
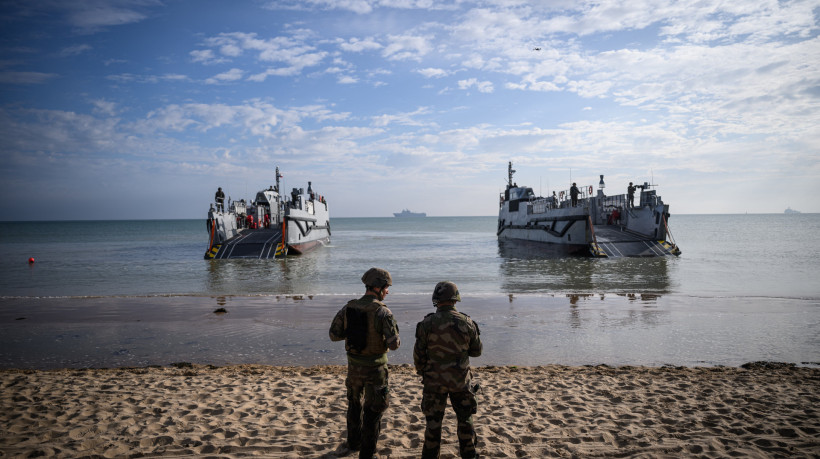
542, 205
583, 197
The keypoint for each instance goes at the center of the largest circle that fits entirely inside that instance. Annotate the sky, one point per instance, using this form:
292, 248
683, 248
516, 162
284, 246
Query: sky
140, 109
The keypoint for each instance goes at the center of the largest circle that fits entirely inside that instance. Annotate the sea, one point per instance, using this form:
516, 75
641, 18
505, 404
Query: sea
107, 294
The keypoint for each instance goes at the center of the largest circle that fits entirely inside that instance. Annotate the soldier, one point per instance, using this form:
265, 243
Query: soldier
573, 193
369, 330
630, 195
219, 197
445, 341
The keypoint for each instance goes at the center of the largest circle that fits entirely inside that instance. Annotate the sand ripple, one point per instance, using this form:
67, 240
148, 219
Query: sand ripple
550, 411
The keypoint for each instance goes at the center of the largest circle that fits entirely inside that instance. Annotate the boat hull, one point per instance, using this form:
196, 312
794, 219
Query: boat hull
307, 229
408, 214
304, 247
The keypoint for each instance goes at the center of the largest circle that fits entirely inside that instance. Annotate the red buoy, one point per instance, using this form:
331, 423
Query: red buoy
31, 261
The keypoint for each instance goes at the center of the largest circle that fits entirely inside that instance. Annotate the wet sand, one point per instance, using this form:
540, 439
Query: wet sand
765, 410
526, 330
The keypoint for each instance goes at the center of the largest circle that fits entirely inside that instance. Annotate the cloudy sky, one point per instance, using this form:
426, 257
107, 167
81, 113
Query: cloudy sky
141, 108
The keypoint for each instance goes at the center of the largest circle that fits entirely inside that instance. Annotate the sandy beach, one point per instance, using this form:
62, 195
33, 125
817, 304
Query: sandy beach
764, 410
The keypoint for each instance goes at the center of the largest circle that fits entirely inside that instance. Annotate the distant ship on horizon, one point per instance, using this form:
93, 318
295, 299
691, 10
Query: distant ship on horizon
407, 213
789, 210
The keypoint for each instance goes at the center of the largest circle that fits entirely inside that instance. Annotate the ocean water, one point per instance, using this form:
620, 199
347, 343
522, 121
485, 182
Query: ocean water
114, 293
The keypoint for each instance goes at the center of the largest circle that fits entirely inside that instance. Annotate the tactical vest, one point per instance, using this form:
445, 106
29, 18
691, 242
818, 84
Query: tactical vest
451, 329
363, 329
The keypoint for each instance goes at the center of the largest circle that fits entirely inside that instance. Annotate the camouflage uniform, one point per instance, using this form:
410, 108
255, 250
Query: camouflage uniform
369, 330
445, 341
219, 198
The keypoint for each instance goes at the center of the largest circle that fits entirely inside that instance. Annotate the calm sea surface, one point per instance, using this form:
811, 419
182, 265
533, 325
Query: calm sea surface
116, 293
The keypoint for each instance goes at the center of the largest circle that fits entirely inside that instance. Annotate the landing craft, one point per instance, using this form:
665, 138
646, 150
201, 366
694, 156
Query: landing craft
596, 225
270, 226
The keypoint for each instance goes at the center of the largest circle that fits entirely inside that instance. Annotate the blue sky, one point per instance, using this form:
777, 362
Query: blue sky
141, 109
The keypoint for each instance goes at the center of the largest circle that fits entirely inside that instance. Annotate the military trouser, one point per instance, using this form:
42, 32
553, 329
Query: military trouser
364, 419
433, 405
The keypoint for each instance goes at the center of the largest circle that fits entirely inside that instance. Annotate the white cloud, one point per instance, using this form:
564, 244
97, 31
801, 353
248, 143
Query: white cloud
281, 71
541, 86
482, 86
85, 17
26, 77
230, 75
356, 6
362, 7
125, 78
205, 56
61, 133
433, 72
291, 52
93, 15
230, 50
405, 119
74, 50
174, 77
406, 47
356, 45
104, 107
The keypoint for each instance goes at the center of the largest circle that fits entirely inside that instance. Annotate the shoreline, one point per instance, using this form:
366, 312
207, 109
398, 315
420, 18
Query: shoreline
525, 330
764, 410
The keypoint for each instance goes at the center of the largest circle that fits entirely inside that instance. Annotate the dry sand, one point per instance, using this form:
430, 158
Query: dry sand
550, 411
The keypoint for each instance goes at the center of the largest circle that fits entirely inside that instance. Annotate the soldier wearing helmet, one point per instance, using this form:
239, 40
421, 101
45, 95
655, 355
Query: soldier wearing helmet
369, 331
573, 194
445, 341
219, 197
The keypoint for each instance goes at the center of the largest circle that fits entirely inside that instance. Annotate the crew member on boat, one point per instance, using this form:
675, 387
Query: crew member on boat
573, 194
614, 217
219, 197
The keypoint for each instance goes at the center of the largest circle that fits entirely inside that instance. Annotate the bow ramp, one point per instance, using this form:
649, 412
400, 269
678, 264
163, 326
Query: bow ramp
251, 243
615, 242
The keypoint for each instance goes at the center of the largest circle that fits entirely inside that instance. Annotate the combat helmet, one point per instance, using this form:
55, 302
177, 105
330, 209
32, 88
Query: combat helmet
377, 277
445, 291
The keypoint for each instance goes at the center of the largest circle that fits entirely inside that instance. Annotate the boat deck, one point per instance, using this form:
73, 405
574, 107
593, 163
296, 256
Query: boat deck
615, 243
250, 243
